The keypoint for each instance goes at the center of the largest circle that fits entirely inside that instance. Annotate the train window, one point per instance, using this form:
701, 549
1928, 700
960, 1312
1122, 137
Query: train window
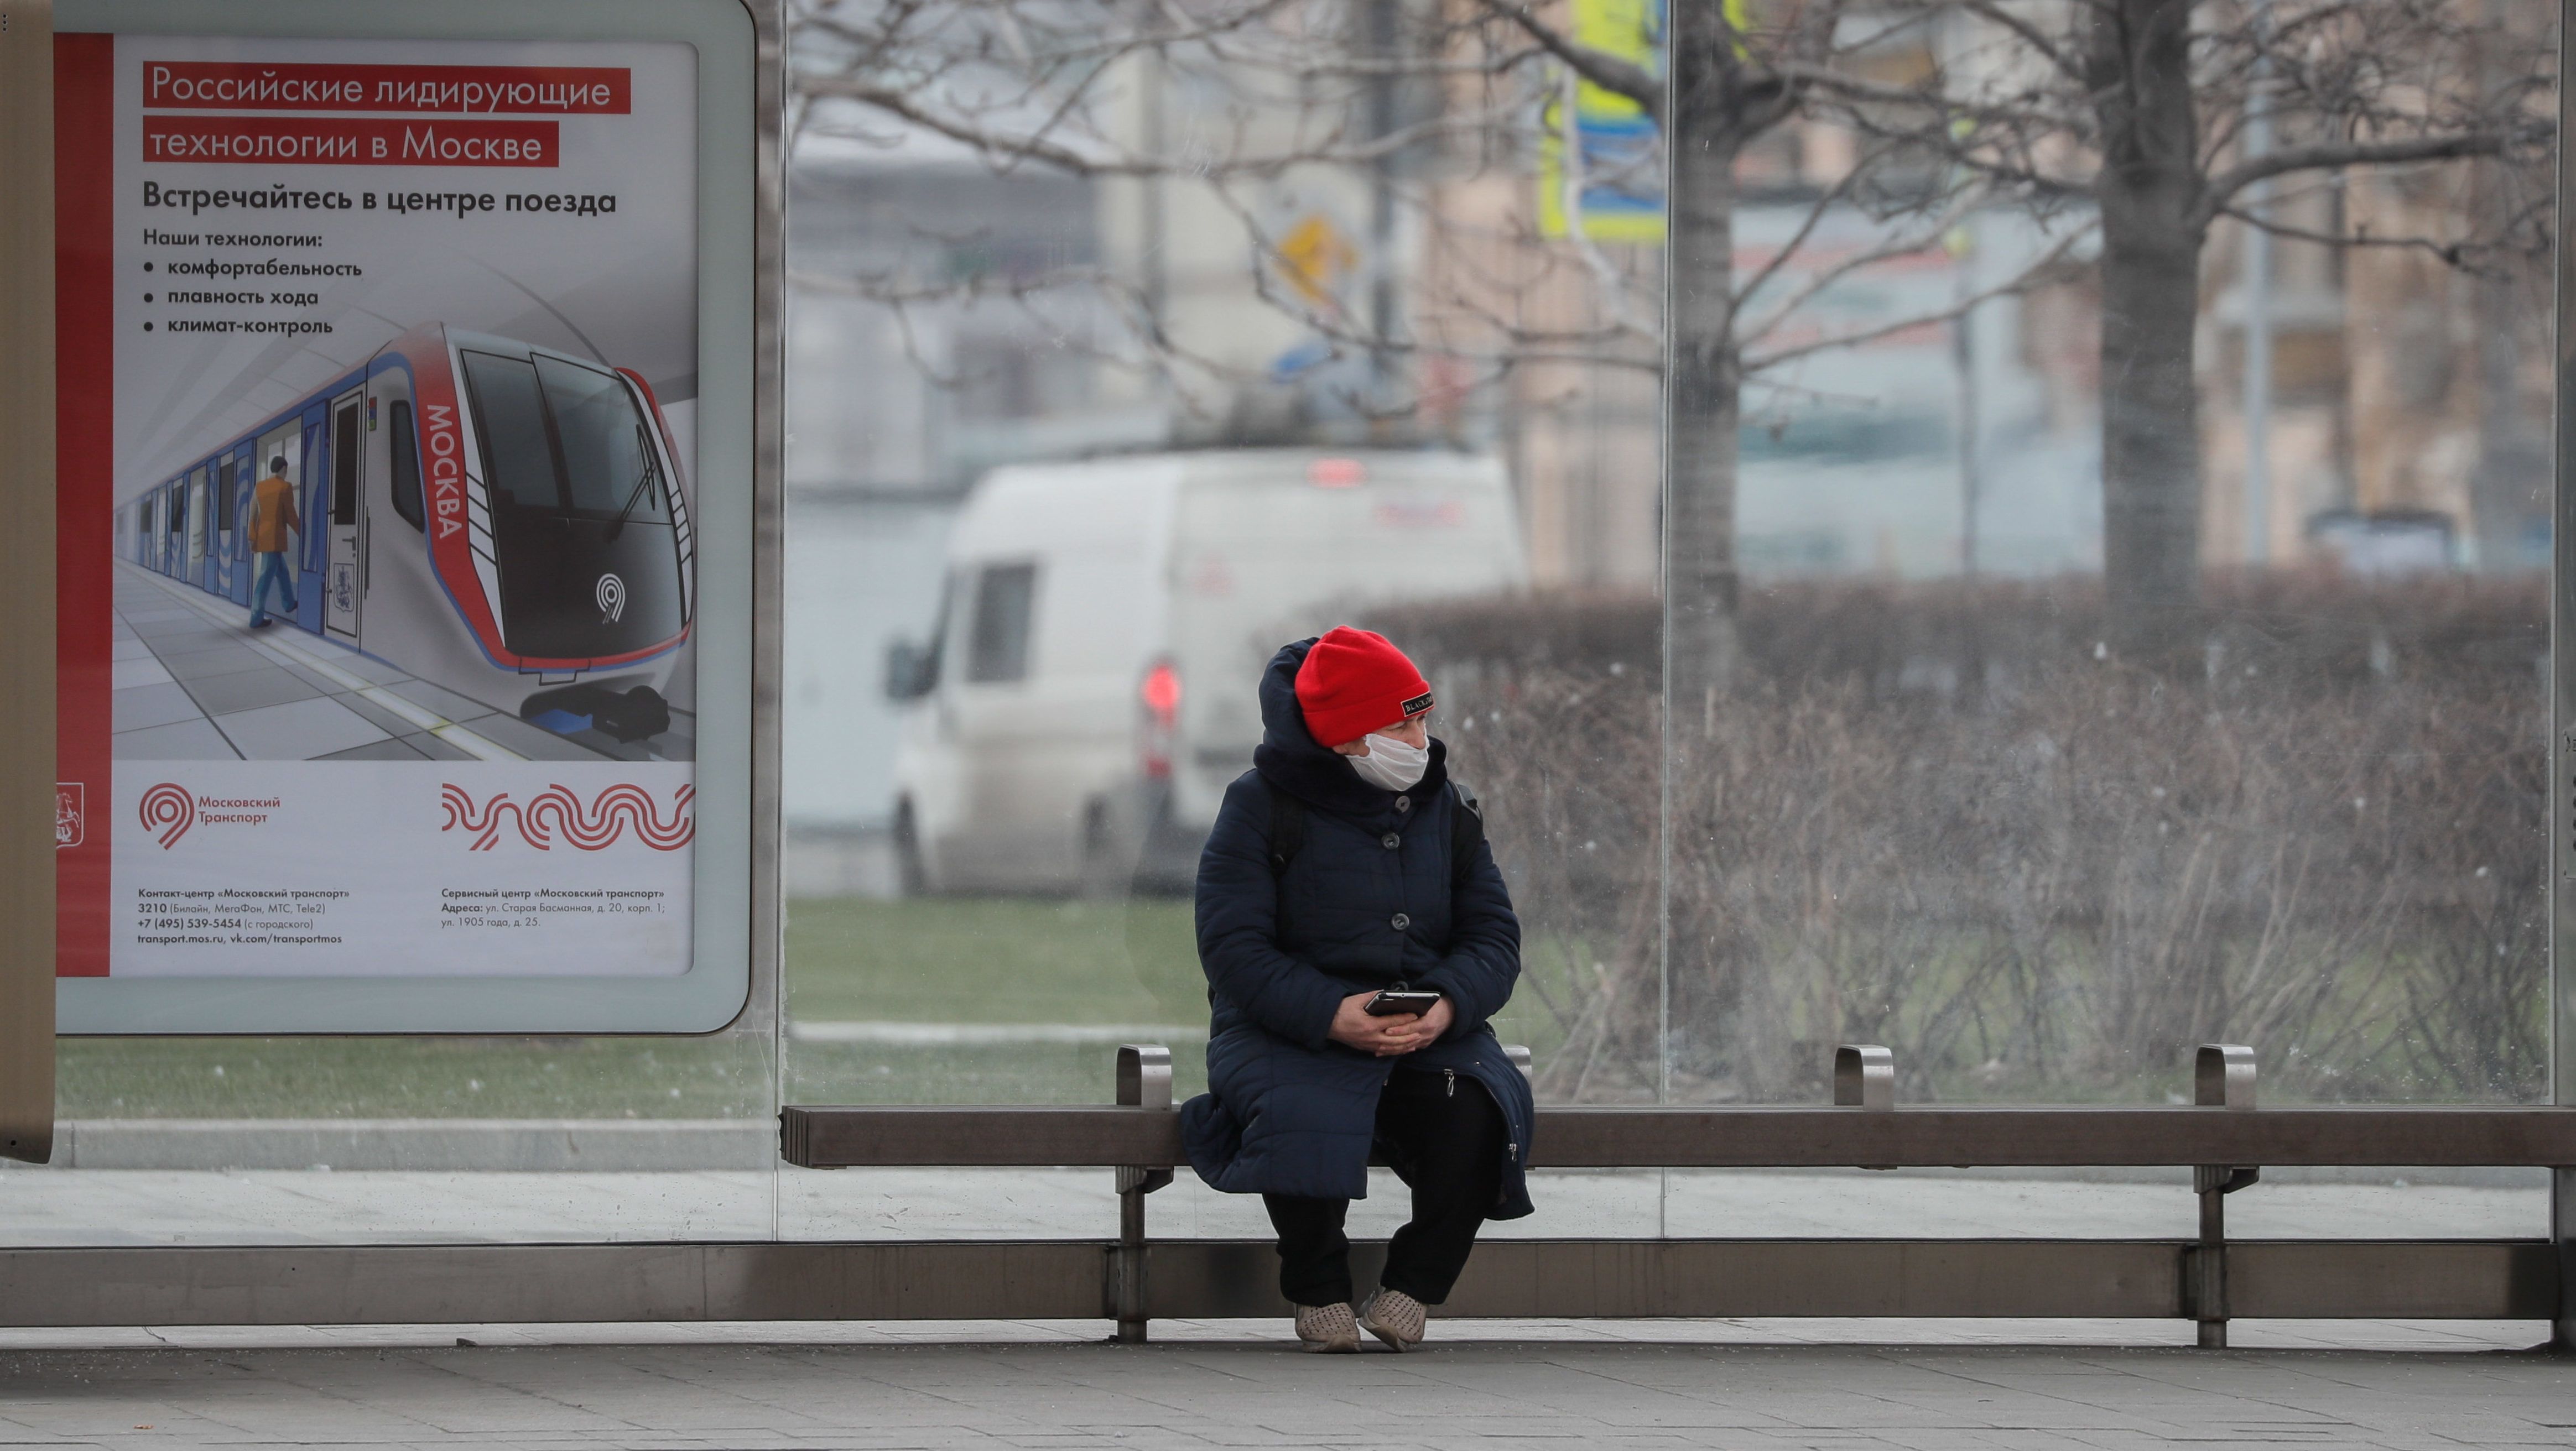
224, 498
344, 466
518, 458
178, 506
997, 648
407, 497
610, 467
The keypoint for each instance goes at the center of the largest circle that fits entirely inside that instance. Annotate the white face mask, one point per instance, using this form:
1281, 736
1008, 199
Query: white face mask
1391, 764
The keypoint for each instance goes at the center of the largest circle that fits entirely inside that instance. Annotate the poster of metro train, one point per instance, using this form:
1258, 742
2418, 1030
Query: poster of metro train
378, 477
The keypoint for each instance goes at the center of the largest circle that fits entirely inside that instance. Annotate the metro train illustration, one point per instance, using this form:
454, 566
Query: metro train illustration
498, 519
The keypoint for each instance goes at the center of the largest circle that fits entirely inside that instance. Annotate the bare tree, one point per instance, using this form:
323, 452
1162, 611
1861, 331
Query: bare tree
2140, 108
1729, 85
1313, 86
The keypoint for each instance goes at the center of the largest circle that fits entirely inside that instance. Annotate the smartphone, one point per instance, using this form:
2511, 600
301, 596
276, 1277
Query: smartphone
1391, 1002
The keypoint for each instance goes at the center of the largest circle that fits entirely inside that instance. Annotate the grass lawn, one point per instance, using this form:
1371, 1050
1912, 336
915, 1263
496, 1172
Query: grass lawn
994, 960
932, 960
413, 1078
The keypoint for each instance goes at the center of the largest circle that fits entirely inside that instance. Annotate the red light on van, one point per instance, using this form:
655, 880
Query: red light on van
1160, 695
1337, 473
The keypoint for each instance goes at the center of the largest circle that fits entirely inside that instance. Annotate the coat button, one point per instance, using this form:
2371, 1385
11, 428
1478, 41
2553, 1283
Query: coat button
1390, 841
1401, 922
1404, 803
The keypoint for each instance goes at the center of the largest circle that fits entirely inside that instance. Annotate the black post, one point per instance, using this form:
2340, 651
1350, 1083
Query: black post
1144, 1081
2222, 1077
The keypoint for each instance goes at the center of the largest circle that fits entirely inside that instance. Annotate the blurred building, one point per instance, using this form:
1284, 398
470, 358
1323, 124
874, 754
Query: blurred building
2404, 389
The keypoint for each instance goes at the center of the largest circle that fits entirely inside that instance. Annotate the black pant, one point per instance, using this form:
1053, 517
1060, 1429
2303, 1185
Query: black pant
1445, 1137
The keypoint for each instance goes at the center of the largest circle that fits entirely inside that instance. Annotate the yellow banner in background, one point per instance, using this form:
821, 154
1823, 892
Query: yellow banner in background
1618, 182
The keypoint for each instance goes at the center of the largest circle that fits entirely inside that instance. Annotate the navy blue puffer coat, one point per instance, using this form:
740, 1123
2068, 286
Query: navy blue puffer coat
1367, 902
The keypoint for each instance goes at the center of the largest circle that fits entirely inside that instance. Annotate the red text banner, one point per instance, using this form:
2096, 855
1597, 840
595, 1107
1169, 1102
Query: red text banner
330, 141
454, 89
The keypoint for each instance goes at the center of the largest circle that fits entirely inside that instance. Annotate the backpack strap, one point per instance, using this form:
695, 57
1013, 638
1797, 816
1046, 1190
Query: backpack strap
1466, 833
1287, 829
1287, 838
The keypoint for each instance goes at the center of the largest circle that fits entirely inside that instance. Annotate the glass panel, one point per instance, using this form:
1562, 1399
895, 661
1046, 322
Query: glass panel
2057, 725
1117, 438
2095, 627
305, 1140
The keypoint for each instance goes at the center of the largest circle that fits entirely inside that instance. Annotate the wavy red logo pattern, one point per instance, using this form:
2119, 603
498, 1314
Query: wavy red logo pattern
169, 810
558, 812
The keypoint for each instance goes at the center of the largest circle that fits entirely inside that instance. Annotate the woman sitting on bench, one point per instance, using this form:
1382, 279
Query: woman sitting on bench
1346, 865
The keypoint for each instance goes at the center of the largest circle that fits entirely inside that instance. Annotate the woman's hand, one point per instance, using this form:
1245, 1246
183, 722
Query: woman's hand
1385, 1037
1390, 1036
1425, 1030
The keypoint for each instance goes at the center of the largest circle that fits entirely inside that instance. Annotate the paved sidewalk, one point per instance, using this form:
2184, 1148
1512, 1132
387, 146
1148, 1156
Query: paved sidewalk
1649, 1384
269, 1206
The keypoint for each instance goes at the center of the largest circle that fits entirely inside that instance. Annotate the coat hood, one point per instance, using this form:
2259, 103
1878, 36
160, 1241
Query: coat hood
1290, 758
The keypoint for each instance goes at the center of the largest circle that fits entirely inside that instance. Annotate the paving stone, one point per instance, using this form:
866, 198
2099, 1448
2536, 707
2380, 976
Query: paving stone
1028, 1386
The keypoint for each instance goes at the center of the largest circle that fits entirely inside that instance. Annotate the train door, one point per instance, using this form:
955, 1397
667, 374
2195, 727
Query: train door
194, 571
220, 577
341, 587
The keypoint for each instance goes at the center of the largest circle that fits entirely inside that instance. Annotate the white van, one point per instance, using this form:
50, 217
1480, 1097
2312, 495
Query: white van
1089, 690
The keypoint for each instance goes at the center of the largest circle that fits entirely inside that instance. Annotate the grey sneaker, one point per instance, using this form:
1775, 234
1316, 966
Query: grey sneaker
1329, 1329
1394, 1317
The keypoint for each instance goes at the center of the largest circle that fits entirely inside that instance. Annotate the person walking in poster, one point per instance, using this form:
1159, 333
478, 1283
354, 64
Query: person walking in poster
272, 515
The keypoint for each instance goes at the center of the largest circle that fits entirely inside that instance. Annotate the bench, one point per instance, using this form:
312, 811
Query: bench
2223, 1137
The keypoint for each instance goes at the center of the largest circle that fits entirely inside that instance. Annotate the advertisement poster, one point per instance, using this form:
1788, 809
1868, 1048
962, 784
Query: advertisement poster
379, 583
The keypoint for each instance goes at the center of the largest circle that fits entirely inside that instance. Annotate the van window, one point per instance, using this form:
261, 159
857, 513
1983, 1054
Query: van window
998, 647
935, 654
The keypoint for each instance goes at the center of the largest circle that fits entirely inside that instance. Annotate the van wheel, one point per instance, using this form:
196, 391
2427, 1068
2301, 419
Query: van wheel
910, 877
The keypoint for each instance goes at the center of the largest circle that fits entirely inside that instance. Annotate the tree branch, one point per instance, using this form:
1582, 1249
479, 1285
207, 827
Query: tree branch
1609, 72
2030, 276
2335, 155
2030, 34
2452, 254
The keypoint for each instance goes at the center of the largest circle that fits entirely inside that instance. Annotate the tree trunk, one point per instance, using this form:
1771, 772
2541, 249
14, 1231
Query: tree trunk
1703, 374
1716, 105
2138, 67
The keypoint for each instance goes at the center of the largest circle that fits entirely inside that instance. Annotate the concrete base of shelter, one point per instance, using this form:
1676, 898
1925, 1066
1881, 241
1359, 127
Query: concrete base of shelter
273, 1206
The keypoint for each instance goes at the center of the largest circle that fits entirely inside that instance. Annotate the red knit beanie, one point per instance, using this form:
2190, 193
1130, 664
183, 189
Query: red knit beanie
1354, 682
